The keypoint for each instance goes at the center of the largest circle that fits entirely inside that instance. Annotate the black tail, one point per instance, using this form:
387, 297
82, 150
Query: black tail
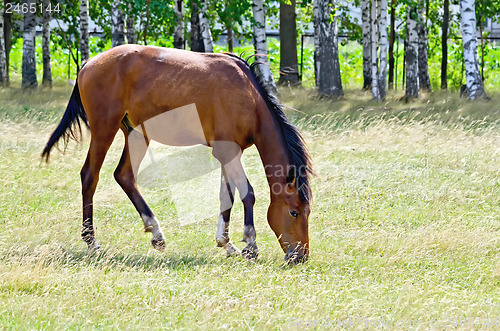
70, 126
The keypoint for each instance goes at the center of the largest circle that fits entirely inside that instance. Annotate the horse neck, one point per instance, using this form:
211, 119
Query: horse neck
270, 143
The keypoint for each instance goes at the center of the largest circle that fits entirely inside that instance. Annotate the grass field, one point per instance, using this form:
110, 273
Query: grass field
405, 228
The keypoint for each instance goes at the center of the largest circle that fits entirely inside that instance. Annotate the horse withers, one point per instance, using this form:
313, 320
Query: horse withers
215, 100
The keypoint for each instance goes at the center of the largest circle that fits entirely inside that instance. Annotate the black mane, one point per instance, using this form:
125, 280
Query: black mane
298, 156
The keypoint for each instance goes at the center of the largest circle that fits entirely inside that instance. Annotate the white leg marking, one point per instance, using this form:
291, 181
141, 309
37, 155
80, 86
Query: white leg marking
151, 225
222, 236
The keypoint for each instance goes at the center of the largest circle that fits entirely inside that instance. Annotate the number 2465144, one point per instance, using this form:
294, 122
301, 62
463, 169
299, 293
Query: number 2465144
30, 8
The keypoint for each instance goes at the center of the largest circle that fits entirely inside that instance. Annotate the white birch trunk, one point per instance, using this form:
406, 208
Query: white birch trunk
84, 30
412, 88
366, 32
179, 27
374, 48
3, 56
47, 65
205, 28
118, 34
260, 42
468, 26
382, 78
328, 79
29, 62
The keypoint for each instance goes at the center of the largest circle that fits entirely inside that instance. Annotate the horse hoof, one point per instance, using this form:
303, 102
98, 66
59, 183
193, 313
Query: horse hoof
93, 248
231, 249
250, 253
158, 243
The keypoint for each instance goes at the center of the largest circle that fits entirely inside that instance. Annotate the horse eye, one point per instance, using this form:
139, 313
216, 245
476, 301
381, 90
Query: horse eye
294, 214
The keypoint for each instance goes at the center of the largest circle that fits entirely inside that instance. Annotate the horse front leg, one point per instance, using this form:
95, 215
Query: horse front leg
229, 155
226, 203
250, 251
236, 174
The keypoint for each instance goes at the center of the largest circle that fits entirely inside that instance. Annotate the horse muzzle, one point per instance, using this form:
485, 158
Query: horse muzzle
297, 254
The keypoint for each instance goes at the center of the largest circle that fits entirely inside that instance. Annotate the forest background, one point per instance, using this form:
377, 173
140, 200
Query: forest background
232, 28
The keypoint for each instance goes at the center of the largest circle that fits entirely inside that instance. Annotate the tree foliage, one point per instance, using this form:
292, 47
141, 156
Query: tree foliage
158, 18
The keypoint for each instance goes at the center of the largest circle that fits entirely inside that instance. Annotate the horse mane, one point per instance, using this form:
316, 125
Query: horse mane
298, 155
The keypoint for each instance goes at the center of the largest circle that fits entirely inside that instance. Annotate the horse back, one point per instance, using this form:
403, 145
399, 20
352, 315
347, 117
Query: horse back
145, 82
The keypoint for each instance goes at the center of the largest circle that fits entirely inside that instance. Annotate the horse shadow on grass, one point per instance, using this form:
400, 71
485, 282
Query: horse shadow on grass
150, 262
59, 256
107, 258
122, 261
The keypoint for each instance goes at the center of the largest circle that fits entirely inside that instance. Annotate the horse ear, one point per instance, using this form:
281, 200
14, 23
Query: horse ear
291, 185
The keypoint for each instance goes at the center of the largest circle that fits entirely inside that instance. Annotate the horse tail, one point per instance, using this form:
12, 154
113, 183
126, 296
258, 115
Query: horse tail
70, 125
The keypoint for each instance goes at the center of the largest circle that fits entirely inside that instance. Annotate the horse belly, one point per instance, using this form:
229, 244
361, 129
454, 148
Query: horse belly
176, 127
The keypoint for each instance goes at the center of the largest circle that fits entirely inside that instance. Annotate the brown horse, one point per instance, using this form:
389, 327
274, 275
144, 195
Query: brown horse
130, 87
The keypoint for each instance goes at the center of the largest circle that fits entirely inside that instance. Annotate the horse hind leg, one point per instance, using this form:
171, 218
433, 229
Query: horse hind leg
89, 177
226, 202
125, 174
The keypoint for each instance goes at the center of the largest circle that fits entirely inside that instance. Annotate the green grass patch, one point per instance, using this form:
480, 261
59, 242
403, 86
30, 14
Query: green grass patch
404, 227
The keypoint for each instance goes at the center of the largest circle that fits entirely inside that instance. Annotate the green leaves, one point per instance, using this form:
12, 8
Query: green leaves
231, 14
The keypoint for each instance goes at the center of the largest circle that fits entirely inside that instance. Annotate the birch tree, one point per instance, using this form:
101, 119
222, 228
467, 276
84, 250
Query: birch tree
260, 42
131, 33
84, 30
118, 33
475, 86
47, 65
205, 28
326, 63
374, 49
366, 32
179, 27
383, 41
196, 38
423, 66
3, 57
29, 62
412, 88
378, 37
